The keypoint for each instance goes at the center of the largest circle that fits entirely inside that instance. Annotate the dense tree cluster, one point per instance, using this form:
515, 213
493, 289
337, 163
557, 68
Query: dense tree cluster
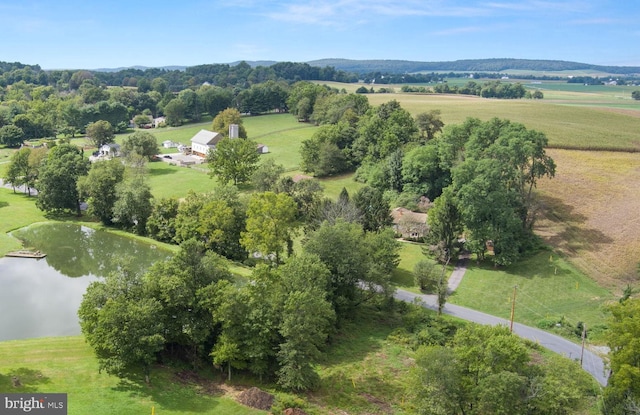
487, 370
488, 169
38, 104
492, 89
622, 394
275, 326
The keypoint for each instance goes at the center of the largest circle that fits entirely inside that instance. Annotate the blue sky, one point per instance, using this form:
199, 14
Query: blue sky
107, 34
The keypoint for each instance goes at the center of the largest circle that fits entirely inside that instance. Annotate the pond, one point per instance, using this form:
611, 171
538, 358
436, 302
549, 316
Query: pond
40, 297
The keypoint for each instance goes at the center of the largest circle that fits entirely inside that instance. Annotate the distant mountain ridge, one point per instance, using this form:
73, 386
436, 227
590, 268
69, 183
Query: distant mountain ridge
468, 65
404, 66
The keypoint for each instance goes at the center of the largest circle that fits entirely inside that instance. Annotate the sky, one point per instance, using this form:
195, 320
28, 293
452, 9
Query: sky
88, 34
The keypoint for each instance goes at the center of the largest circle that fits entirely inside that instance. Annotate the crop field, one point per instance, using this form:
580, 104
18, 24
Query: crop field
564, 126
591, 213
568, 117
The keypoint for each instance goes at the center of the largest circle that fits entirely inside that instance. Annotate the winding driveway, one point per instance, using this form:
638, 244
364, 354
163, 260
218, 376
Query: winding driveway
591, 362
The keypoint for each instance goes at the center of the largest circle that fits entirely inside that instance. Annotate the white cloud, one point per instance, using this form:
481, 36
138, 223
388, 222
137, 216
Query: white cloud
538, 6
324, 12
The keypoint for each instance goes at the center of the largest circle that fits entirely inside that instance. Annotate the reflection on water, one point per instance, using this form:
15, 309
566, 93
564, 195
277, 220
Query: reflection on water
38, 298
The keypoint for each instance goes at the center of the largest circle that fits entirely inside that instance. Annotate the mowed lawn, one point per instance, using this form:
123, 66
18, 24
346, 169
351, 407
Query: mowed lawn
16, 210
282, 134
548, 287
67, 365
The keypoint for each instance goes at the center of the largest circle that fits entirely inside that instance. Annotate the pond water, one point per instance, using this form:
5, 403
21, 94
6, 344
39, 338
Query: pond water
40, 297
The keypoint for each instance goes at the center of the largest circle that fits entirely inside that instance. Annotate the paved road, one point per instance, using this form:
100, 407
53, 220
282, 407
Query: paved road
591, 362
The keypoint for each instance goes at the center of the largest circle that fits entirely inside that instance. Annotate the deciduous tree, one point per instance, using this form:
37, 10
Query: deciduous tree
141, 143
58, 177
11, 135
233, 160
266, 175
224, 119
121, 323
174, 112
100, 133
623, 389
161, 223
98, 188
133, 205
430, 123
271, 223
19, 170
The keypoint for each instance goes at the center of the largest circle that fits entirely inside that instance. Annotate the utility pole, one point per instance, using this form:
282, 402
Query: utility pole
513, 307
584, 336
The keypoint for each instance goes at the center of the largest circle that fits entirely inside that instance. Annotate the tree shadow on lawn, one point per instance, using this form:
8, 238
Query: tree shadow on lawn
171, 391
162, 171
528, 267
403, 278
566, 230
22, 380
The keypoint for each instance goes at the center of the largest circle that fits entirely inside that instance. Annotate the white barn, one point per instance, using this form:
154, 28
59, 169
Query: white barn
204, 141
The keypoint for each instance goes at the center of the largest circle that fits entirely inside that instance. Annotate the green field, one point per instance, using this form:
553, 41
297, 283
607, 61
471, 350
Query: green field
16, 211
167, 180
67, 365
364, 372
579, 127
362, 364
548, 287
565, 124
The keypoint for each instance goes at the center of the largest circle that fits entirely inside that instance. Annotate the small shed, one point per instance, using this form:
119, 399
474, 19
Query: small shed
262, 149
